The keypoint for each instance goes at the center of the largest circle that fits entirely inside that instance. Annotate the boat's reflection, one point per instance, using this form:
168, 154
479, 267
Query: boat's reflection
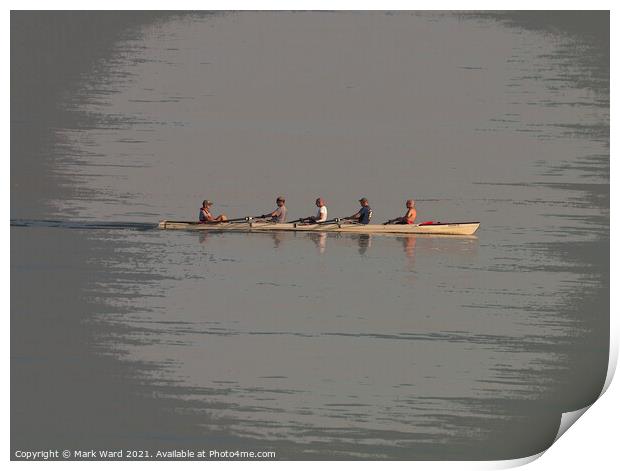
411, 243
319, 239
408, 245
203, 237
409, 248
364, 242
277, 238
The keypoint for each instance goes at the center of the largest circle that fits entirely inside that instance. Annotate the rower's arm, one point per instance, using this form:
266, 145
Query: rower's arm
207, 215
322, 215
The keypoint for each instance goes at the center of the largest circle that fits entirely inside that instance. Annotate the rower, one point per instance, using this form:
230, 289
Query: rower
410, 215
279, 215
321, 215
205, 215
364, 214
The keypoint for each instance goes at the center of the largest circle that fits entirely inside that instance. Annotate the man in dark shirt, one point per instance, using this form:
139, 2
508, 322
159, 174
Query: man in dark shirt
364, 214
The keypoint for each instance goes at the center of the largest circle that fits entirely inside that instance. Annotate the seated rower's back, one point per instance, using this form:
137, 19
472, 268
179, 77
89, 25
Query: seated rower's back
410, 215
321, 215
364, 214
279, 215
205, 216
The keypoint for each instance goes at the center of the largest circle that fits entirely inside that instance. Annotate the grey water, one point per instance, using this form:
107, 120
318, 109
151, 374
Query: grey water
314, 346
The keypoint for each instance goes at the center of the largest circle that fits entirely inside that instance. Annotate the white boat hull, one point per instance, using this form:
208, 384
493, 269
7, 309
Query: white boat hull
456, 228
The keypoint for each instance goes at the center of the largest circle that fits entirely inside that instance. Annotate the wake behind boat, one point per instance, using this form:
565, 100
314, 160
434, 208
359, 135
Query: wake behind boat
252, 225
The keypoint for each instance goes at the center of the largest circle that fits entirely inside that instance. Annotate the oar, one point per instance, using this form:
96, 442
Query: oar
301, 220
329, 221
391, 221
230, 220
347, 221
338, 221
262, 216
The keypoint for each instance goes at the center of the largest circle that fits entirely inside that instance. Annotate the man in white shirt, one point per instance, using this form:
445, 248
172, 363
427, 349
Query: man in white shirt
321, 215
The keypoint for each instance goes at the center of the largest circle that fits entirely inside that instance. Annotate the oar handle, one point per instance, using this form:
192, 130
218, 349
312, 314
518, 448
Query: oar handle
337, 221
236, 219
308, 220
328, 221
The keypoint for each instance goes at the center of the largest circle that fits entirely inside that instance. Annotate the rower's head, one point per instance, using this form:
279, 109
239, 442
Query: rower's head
280, 200
410, 204
320, 202
363, 201
206, 203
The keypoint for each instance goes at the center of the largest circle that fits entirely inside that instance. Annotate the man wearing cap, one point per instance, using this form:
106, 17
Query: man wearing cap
364, 214
279, 215
205, 215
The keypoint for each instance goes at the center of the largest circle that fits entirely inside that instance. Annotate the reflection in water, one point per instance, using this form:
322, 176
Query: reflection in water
463, 245
363, 241
319, 239
277, 238
203, 236
409, 247
336, 337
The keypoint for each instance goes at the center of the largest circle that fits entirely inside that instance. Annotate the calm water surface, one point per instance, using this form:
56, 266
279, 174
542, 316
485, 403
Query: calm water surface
311, 345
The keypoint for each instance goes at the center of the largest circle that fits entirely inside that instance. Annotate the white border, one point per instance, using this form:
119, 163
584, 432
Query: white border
311, 5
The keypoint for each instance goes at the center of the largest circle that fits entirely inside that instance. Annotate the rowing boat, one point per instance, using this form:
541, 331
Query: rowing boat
450, 228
